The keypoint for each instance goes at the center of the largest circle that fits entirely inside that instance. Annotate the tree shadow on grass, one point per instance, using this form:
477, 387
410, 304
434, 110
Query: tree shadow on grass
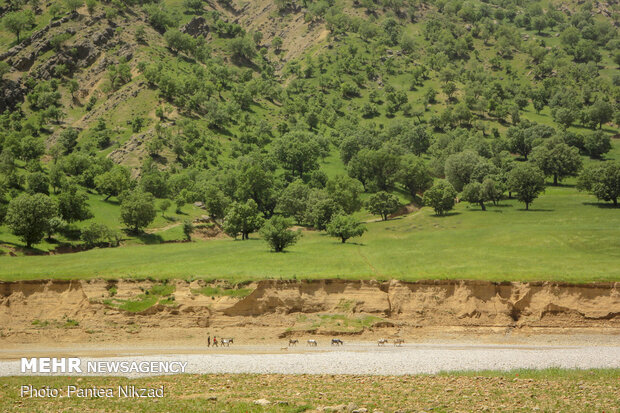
445, 215
71, 233
561, 185
146, 238
536, 210
21, 248
602, 205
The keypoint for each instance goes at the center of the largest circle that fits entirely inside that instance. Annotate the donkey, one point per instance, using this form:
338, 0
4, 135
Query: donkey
382, 341
399, 341
226, 342
293, 342
312, 343
337, 342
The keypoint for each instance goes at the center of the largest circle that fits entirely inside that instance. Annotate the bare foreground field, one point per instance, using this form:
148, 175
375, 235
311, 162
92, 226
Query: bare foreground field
520, 390
541, 324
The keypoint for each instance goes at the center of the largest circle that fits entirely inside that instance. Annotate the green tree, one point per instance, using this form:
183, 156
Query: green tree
321, 208
91, 5
242, 47
557, 159
68, 139
597, 144
73, 204
345, 227
180, 42
55, 225
164, 206
520, 141
18, 21
137, 210
602, 180
527, 181
73, 5
94, 234
188, 229
298, 152
460, 166
4, 69
28, 217
242, 218
113, 182
601, 112
293, 200
440, 197
194, 6
38, 182
414, 175
277, 234
345, 192
215, 202
382, 203
475, 193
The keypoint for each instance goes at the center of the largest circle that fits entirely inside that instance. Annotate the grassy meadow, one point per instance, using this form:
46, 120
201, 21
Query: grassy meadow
567, 236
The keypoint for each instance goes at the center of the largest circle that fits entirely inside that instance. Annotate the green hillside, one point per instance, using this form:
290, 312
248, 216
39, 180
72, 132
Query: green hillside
130, 124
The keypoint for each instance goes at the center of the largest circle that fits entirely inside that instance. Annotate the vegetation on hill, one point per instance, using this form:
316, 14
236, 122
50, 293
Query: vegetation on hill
310, 113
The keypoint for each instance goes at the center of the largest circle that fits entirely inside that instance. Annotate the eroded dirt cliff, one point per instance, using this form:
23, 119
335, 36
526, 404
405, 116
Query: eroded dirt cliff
99, 310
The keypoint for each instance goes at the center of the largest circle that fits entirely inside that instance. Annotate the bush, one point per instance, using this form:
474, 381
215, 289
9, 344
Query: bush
95, 234
277, 233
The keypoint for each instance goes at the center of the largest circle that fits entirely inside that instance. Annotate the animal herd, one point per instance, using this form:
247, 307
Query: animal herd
226, 342
338, 342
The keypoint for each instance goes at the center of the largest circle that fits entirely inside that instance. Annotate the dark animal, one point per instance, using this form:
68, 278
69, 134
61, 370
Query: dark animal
336, 342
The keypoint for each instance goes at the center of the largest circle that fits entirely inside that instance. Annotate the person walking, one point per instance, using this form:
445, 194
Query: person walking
209, 341
214, 341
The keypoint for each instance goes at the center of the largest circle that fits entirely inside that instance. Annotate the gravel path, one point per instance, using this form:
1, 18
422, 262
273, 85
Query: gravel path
370, 359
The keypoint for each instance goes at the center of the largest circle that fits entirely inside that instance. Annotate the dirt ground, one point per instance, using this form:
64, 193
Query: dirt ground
557, 391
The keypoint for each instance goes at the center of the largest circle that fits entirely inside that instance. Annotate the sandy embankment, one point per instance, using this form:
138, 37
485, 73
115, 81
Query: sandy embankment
34, 314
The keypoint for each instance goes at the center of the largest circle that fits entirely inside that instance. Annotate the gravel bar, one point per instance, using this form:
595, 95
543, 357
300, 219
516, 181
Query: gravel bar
373, 360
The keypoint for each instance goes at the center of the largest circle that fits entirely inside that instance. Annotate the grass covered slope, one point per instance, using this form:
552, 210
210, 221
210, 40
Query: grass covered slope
565, 237
197, 103
546, 390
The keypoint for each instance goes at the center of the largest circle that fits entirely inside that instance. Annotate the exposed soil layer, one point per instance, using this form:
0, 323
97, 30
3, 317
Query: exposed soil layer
91, 311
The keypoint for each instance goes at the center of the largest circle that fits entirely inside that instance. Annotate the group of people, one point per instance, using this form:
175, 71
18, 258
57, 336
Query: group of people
215, 344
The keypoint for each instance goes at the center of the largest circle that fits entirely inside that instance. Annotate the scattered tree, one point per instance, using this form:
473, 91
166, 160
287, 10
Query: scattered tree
277, 234
188, 229
382, 203
345, 227
602, 180
137, 210
28, 217
527, 181
440, 197
242, 218
73, 204
557, 159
